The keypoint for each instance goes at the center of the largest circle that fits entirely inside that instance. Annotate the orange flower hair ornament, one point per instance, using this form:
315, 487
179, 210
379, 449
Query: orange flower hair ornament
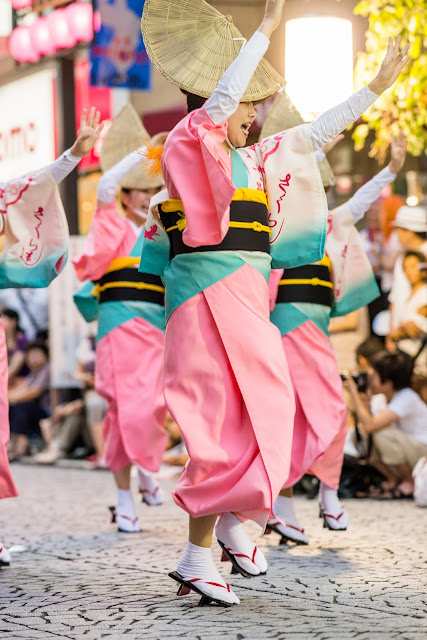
153, 156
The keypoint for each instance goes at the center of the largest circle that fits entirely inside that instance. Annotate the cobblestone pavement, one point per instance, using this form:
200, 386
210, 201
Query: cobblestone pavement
80, 579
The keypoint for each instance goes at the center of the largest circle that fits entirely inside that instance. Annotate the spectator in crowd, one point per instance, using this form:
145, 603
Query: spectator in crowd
366, 353
16, 342
391, 247
399, 431
62, 430
31, 305
411, 224
95, 405
412, 328
29, 401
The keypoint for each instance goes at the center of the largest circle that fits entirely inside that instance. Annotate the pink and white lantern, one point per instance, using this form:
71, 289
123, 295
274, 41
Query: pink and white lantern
60, 33
21, 47
80, 20
41, 38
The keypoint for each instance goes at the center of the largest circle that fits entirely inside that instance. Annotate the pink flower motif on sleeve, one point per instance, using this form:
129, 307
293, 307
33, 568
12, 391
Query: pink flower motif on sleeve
13, 191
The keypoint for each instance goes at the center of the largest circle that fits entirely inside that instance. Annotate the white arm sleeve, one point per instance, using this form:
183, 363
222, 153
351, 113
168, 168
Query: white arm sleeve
319, 154
366, 195
233, 84
332, 122
109, 182
63, 166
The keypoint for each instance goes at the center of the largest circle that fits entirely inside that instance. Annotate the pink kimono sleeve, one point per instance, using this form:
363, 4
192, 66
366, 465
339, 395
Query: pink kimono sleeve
197, 169
105, 237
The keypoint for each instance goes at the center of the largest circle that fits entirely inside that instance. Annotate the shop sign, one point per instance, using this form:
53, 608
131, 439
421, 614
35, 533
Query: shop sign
27, 124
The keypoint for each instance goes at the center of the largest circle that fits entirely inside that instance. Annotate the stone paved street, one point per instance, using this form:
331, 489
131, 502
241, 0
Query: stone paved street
79, 578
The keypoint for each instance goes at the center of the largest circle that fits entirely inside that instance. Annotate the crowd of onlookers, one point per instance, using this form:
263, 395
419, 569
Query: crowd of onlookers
383, 346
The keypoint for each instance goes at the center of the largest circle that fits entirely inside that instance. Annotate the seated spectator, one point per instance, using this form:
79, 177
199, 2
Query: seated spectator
29, 400
16, 342
412, 326
32, 307
366, 353
95, 405
399, 431
62, 431
411, 225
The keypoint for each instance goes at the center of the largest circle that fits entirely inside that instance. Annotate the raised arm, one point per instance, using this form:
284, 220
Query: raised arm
89, 131
233, 84
366, 195
110, 180
335, 120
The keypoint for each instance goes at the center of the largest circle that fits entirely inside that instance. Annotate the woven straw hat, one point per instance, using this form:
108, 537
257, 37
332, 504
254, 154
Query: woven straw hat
284, 115
192, 45
126, 134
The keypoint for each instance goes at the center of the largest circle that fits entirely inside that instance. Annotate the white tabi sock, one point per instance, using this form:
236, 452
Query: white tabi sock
151, 492
197, 564
230, 531
284, 509
4, 556
330, 504
126, 517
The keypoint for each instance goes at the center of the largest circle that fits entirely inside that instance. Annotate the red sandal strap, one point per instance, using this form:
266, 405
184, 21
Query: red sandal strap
291, 526
121, 515
151, 493
329, 515
214, 584
242, 555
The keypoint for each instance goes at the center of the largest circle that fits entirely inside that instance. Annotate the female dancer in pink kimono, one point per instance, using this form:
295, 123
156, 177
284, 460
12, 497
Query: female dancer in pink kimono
304, 299
226, 379
33, 254
130, 338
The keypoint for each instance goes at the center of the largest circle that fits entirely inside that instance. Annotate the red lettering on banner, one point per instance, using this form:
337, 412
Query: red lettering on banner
17, 141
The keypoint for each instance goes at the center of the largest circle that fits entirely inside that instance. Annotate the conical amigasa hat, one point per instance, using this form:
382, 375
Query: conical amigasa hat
192, 45
284, 115
126, 134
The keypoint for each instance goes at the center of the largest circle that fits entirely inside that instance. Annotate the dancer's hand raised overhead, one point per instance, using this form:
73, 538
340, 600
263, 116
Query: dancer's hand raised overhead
90, 128
391, 67
398, 148
272, 16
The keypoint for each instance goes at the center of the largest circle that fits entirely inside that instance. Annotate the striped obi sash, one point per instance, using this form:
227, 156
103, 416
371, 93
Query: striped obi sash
310, 283
248, 229
123, 282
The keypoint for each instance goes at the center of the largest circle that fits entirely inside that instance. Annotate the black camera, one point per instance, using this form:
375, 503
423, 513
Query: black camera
361, 381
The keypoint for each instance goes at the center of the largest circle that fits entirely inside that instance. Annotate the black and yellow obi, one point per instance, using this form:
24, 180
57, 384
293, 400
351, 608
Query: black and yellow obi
123, 282
310, 283
248, 229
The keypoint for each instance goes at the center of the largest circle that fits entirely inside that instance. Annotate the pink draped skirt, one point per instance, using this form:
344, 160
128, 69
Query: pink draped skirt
129, 362
321, 413
227, 385
7, 486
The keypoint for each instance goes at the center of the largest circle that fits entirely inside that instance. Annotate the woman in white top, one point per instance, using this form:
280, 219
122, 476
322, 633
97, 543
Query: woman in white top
413, 314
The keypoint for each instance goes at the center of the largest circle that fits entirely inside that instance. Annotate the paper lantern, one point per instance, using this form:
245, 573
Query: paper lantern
80, 20
20, 45
41, 39
21, 4
59, 31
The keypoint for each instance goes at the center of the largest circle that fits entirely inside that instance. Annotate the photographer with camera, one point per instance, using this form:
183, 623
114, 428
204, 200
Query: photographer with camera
399, 430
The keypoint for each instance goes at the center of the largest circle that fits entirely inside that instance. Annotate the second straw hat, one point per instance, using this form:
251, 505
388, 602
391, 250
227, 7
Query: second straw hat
192, 45
126, 134
284, 115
